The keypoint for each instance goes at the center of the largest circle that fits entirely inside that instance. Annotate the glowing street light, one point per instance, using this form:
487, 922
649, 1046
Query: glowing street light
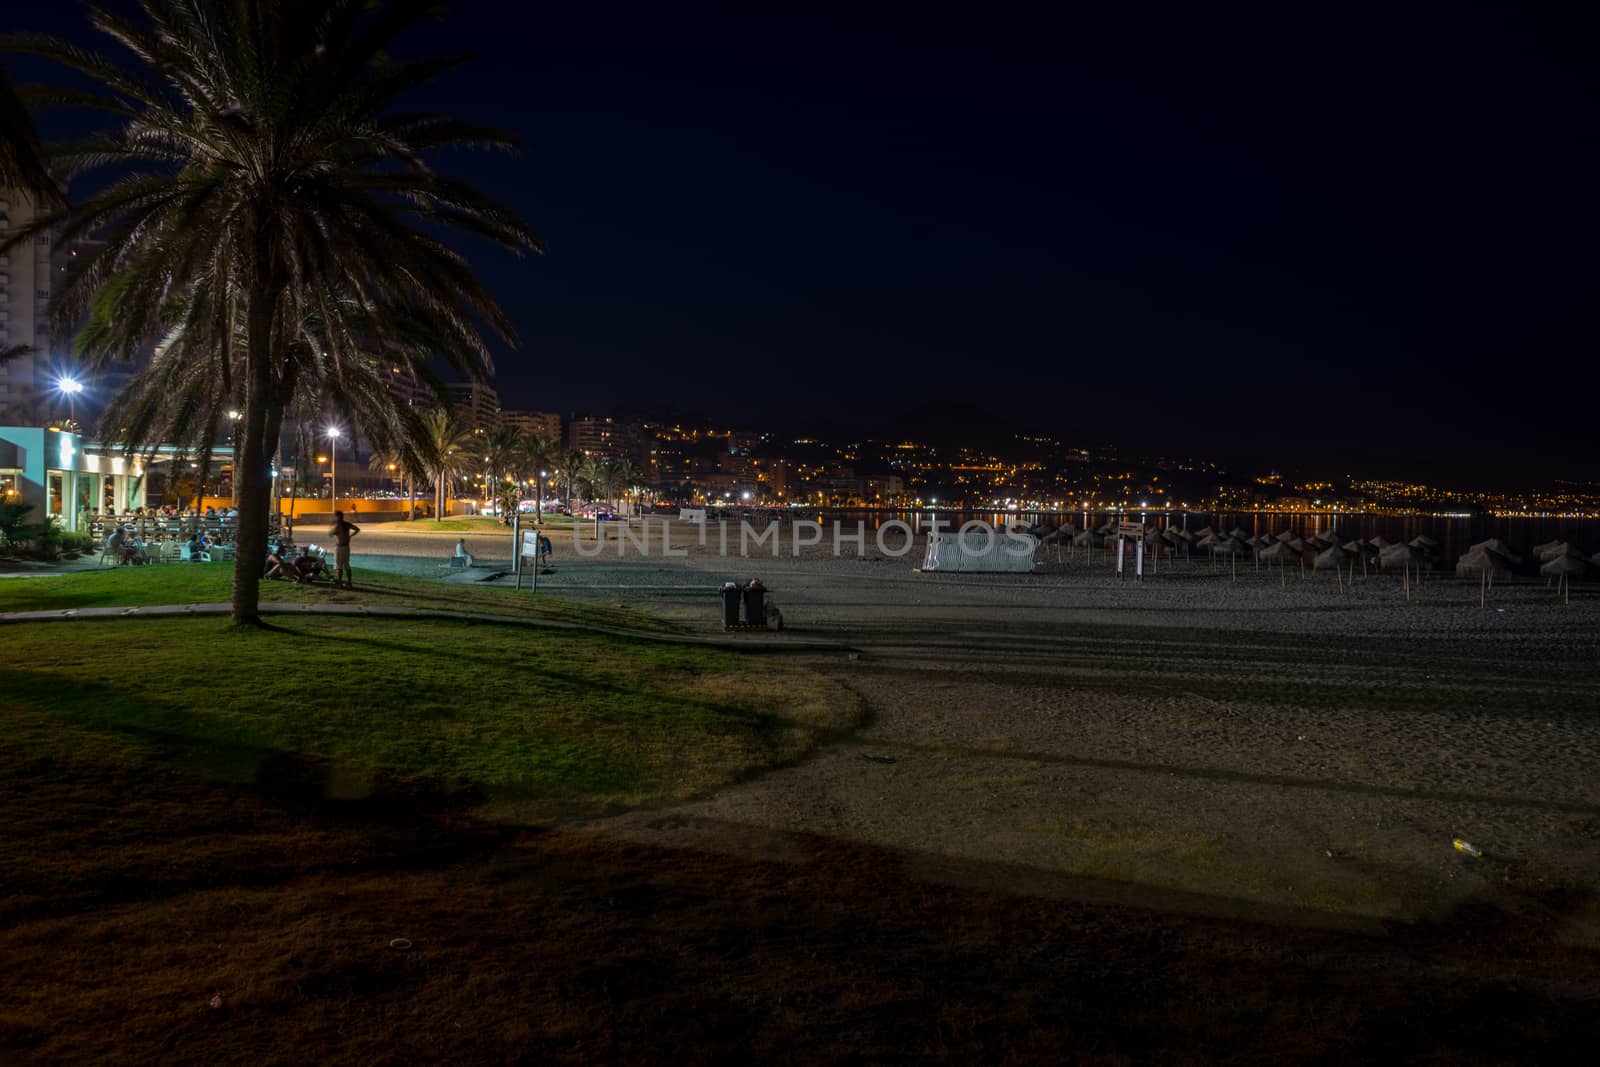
70, 387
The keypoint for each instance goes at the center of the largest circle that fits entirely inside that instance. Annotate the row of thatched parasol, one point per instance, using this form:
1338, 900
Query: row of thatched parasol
1560, 561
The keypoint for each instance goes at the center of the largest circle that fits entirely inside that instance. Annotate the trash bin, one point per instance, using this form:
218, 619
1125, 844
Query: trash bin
755, 603
730, 605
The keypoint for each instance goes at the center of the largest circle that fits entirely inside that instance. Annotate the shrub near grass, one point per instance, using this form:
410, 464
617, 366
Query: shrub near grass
531, 724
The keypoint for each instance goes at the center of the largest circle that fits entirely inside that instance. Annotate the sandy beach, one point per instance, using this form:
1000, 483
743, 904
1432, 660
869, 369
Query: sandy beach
1218, 746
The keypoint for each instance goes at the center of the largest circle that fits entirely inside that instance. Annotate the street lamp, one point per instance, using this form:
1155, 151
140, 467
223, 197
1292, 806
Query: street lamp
333, 466
538, 498
71, 387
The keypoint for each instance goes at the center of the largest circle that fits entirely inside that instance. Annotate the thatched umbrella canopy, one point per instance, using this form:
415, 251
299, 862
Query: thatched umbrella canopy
1483, 561
1202, 531
1564, 569
1282, 552
1494, 544
1559, 549
1378, 543
1232, 548
1406, 558
1537, 550
1564, 566
1424, 544
1362, 551
1297, 544
1332, 556
1399, 555
1239, 534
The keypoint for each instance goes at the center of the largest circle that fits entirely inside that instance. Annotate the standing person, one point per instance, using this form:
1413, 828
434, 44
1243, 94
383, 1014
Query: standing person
341, 533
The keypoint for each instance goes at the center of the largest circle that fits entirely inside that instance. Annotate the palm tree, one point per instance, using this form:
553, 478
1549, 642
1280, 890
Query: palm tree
538, 454
267, 181
569, 464
619, 475
502, 451
446, 449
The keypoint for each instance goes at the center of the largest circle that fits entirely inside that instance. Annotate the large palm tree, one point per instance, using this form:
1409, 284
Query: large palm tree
266, 178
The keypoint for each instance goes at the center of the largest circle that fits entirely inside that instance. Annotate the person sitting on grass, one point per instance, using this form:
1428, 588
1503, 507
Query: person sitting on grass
308, 568
277, 568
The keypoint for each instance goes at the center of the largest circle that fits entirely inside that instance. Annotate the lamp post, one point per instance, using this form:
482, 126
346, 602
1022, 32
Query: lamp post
333, 467
538, 498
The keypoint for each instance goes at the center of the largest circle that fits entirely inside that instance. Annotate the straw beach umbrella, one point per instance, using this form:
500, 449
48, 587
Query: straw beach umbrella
1405, 557
1365, 551
1563, 568
1334, 556
1280, 552
1233, 548
1487, 563
1494, 544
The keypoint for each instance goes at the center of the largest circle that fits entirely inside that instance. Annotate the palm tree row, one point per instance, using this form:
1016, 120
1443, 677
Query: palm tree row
272, 227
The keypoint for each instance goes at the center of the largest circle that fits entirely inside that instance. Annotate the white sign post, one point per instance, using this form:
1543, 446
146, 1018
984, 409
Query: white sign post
529, 547
1134, 530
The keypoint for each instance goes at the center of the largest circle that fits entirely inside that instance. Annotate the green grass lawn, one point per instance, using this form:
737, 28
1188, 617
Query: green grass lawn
208, 583
536, 723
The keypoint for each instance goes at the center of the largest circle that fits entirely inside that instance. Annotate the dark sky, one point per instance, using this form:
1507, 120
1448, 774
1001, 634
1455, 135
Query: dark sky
1317, 236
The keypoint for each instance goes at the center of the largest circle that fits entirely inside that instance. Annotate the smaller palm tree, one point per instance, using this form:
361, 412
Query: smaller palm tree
446, 449
568, 465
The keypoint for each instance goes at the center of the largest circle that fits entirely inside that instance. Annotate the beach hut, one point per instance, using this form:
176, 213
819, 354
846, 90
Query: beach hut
1564, 568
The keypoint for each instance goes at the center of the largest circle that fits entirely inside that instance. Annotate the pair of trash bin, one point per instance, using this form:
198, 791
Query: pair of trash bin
751, 597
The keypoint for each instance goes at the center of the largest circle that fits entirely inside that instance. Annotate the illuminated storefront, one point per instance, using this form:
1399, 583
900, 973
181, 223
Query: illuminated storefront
63, 479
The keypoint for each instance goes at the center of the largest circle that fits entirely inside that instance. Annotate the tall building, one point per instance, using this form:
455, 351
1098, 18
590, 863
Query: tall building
608, 439
475, 402
546, 424
26, 391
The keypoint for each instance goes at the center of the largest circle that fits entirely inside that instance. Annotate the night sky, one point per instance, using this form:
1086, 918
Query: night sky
1325, 236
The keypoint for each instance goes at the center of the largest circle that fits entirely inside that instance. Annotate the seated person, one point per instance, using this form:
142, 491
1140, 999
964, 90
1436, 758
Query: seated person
308, 567
276, 567
198, 547
117, 543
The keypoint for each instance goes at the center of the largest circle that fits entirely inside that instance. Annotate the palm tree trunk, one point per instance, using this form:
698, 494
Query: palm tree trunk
261, 413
